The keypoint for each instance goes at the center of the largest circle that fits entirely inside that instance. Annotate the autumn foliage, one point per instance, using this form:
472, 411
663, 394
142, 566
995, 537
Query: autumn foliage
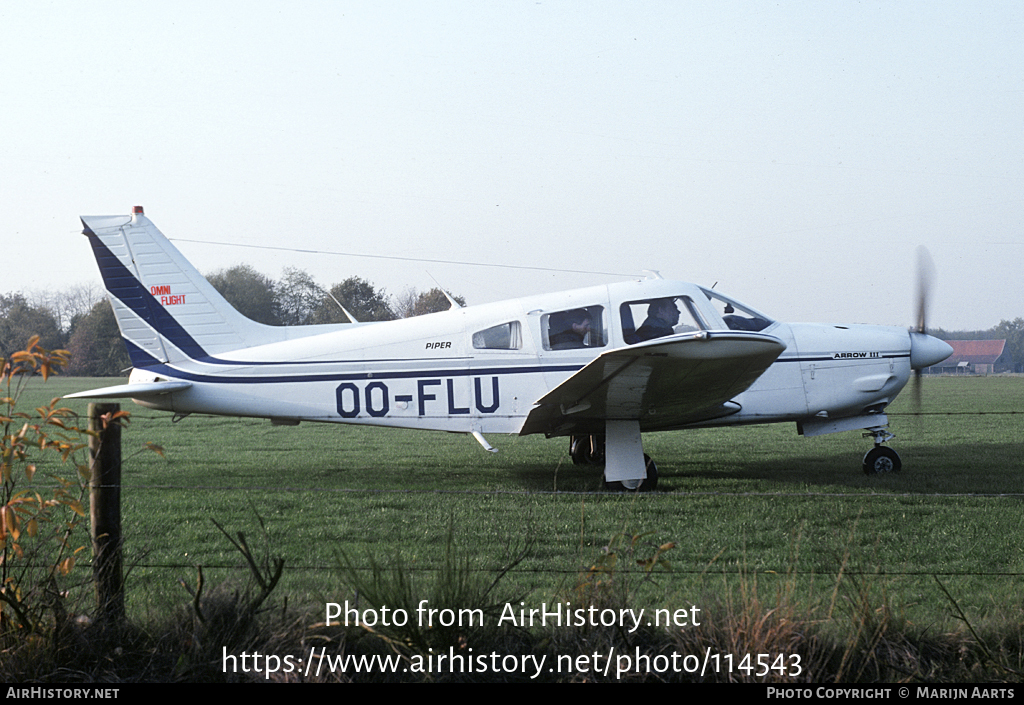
40, 508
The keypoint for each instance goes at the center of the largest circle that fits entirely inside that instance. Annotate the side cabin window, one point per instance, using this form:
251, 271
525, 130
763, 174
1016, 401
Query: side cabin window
736, 315
656, 318
576, 328
507, 336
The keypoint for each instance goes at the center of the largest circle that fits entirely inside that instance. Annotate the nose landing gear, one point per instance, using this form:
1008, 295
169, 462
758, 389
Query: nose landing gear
881, 459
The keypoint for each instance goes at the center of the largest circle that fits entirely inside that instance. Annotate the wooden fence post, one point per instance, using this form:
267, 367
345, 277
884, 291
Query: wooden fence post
105, 513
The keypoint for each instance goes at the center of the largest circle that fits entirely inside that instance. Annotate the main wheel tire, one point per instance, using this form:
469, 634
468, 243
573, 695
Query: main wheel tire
587, 449
881, 460
649, 484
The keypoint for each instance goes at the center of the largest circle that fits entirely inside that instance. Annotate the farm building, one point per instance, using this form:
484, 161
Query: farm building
973, 357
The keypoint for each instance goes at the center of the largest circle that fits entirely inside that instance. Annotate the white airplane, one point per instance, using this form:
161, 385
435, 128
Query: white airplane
600, 365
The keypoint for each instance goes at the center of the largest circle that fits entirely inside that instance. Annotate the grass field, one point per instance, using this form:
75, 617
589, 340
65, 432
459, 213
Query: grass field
757, 509
758, 498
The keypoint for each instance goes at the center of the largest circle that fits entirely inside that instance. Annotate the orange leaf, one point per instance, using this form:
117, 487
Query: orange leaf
9, 522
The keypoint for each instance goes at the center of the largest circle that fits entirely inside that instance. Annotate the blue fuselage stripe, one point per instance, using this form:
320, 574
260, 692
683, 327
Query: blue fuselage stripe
177, 373
420, 373
829, 358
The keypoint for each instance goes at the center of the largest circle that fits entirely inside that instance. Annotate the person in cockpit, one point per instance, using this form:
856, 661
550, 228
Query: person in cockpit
572, 329
662, 315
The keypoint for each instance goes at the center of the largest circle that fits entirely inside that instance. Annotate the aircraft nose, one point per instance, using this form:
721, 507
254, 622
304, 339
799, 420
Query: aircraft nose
926, 351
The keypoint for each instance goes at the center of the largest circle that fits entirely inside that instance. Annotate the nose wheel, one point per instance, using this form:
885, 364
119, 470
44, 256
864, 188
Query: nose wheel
881, 459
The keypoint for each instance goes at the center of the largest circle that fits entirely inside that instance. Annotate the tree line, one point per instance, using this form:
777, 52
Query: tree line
80, 319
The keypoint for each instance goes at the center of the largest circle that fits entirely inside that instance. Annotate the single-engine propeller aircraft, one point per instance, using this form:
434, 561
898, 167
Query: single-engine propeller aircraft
599, 365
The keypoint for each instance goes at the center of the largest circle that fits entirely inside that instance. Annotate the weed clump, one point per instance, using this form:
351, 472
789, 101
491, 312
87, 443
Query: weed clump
240, 633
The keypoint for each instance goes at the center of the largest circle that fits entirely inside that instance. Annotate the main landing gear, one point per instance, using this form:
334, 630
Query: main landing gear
881, 459
589, 449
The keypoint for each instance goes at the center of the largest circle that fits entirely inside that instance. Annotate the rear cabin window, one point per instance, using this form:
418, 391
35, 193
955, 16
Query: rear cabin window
656, 318
575, 328
507, 336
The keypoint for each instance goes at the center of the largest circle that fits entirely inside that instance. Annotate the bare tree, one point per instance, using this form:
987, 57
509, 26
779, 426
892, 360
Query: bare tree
69, 304
405, 303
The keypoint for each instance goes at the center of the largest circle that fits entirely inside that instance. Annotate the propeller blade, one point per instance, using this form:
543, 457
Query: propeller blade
916, 392
925, 277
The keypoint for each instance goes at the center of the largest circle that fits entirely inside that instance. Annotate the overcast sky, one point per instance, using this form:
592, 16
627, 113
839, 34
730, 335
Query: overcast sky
796, 153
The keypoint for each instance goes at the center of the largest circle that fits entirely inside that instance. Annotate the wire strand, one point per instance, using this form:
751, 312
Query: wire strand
407, 259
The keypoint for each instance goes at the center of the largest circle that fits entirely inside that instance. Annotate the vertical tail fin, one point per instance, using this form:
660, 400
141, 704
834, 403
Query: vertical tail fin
165, 308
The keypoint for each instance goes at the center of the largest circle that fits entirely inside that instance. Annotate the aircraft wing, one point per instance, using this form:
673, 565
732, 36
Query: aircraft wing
139, 390
664, 383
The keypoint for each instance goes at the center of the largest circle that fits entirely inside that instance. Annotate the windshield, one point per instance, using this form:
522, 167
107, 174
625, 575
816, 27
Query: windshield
736, 315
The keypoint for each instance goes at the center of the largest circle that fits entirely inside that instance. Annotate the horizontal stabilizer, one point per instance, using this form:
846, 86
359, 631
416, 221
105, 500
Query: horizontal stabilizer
132, 391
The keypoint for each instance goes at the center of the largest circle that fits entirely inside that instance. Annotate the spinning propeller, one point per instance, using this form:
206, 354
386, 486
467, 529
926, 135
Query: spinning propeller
925, 277
924, 349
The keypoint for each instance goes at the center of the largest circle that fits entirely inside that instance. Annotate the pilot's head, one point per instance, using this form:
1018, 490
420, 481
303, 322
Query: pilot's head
664, 309
579, 320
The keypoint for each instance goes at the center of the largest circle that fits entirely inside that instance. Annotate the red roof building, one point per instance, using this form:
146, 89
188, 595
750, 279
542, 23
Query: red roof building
977, 357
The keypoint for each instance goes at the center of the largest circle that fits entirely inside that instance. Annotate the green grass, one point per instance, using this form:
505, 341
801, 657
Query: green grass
757, 501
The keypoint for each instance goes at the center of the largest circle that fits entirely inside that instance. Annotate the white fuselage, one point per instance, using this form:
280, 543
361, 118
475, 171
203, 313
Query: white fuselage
426, 372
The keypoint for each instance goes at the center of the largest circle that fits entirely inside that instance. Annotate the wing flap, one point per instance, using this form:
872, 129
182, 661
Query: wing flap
664, 383
131, 391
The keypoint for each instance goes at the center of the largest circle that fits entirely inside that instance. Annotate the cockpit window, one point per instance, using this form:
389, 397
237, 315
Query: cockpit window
655, 318
736, 315
507, 336
576, 328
